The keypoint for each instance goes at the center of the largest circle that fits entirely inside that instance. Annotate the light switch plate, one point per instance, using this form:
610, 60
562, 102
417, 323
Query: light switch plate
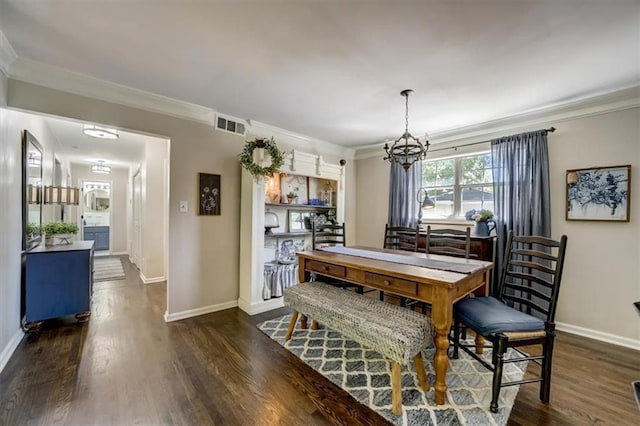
184, 207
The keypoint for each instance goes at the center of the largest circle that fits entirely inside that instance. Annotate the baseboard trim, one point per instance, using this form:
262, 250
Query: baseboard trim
151, 280
260, 307
199, 311
599, 335
5, 356
119, 253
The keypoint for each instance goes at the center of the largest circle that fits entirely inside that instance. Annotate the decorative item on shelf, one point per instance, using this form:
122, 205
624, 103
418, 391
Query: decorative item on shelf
291, 197
484, 219
425, 201
407, 149
247, 158
61, 195
331, 217
316, 202
270, 221
59, 232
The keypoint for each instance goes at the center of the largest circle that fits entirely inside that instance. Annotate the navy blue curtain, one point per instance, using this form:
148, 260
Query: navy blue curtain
403, 194
521, 188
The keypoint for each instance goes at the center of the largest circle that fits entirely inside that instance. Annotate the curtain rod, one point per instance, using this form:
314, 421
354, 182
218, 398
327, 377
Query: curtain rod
550, 130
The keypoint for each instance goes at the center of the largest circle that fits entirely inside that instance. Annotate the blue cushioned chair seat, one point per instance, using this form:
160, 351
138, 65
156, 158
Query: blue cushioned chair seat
488, 315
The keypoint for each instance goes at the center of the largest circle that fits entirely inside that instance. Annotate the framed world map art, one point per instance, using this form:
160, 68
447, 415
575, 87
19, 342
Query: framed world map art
599, 194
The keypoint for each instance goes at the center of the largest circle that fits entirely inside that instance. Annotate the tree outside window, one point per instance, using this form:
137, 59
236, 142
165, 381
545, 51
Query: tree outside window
457, 185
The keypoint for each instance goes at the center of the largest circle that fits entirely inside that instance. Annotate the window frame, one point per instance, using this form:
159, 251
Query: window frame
458, 186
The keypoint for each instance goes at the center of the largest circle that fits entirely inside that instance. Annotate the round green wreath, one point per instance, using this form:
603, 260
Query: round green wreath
246, 157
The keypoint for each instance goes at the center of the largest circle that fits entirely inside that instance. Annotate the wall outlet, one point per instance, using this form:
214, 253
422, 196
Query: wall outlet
184, 207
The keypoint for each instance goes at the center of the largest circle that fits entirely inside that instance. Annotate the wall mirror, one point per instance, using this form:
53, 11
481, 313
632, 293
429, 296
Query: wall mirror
32, 196
96, 200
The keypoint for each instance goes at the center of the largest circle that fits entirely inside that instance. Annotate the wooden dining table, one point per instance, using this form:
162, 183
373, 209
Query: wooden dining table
434, 279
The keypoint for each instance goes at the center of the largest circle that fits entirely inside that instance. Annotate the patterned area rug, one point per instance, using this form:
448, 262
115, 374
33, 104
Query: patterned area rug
107, 269
364, 374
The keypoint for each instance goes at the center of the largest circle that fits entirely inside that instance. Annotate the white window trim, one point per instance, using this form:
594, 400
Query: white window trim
456, 220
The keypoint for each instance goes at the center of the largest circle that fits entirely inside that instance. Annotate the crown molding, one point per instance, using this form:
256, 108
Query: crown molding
618, 100
7, 55
83, 85
297, 140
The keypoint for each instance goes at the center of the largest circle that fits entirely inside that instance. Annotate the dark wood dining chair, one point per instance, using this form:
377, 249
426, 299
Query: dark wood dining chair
449, 242
529, 282
400, 238
331, 235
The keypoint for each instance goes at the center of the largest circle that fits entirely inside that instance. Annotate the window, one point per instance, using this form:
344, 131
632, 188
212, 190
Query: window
457, 185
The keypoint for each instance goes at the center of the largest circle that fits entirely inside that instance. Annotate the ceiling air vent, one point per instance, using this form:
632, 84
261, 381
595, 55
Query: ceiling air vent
231, 125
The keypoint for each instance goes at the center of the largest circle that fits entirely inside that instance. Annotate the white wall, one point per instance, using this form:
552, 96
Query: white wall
602, 266
10, 234
119, 180
154, 210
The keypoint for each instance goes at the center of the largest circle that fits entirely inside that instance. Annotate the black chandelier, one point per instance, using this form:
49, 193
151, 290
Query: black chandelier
407, 149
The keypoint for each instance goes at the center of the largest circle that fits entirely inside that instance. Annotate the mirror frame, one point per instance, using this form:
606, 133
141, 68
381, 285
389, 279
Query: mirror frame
29, 139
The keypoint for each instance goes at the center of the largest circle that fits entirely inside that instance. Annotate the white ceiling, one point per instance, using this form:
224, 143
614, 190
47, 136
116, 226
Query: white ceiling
334, 69
78, 148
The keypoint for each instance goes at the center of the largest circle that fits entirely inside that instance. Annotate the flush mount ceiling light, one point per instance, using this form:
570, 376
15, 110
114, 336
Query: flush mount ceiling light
406, 150
100, 132
101, 168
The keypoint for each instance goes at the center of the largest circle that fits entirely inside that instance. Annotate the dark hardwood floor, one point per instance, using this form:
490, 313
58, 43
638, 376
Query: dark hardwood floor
127, 366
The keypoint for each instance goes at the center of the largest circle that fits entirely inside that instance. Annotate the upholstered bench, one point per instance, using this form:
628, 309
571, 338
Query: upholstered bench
397, 333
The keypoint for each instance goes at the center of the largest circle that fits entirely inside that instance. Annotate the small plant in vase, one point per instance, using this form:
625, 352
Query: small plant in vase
291, 196
59, 232
485, 222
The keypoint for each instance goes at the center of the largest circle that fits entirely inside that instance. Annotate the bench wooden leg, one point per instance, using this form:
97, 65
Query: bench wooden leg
396, 388
314, 325
303, 322
292, 325
422, 375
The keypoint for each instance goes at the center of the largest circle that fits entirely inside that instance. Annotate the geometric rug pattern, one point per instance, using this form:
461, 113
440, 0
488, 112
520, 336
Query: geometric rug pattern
365, 375
107, 269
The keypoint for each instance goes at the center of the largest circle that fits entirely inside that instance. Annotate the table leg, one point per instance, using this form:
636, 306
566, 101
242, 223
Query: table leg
441, 317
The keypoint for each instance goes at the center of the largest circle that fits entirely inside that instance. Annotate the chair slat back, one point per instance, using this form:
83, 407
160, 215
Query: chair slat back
531, 274
327, 235
401, 238
450, 242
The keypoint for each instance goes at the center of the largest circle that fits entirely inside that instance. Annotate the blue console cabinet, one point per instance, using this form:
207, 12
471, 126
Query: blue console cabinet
58, 281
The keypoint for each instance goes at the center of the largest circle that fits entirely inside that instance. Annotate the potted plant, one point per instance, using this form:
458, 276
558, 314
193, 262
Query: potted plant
484, 221
59, 232
291, 196
32, 228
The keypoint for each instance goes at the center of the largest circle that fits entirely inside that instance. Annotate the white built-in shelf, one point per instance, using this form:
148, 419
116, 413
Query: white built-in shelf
300, 206
287, 234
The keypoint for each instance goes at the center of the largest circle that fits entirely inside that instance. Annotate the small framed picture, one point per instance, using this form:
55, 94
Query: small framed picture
599, 193
209, 194
300, 220
294, 189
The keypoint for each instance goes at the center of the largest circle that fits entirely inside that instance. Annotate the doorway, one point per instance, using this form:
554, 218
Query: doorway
95, 214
